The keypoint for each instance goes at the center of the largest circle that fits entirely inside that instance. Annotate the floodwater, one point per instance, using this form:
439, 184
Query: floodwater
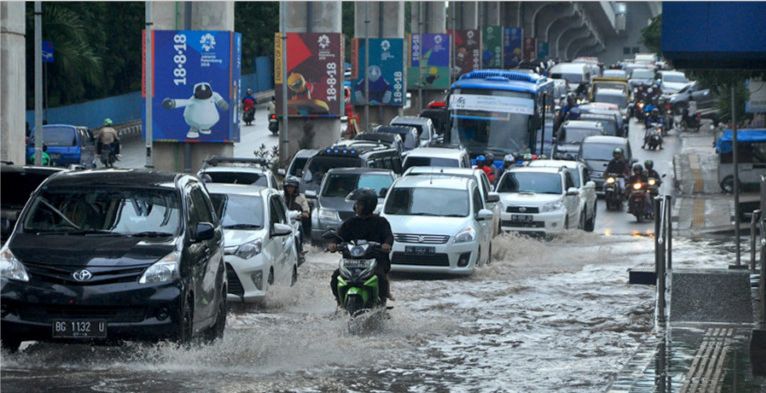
545, 316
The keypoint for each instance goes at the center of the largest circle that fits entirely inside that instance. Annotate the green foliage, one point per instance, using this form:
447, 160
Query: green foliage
650, 35
258, 22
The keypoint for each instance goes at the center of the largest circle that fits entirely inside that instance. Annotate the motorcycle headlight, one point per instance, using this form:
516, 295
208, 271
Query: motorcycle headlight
328, 215
10, 267
552, 206
466, 235
249, 250
163, 270
610, 180
652, 182
636, 186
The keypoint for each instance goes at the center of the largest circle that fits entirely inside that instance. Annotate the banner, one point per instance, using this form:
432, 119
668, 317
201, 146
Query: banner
196, 85
314, 72
530, 49
435, 65
756, 103
385, 71
475, 102
492, 42
467, 51
512, 41
542, 50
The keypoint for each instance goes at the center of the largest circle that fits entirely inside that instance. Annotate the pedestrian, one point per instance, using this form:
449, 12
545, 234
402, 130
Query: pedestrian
45, 158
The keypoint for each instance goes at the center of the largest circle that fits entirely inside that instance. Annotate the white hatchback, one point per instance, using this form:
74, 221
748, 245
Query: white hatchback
440, 225
581, 176
259, 240
543, 200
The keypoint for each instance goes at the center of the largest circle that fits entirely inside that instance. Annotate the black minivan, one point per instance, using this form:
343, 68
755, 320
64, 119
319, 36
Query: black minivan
112, 255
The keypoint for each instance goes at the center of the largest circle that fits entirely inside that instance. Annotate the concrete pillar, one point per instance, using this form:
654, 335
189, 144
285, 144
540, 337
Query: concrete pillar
386, 20
465, 13
13, 79
204, 15
491, 13
530, 11
434, 21
559, 31
548, 16
578, 44
579, 33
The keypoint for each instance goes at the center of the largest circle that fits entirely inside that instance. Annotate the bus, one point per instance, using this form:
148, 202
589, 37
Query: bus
501, 112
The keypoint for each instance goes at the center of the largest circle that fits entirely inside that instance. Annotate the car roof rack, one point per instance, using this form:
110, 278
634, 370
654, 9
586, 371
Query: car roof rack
235, 161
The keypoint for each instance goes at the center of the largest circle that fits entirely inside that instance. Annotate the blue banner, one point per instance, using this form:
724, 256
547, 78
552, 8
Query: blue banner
385, 71
196, 85
47, 52
512, 50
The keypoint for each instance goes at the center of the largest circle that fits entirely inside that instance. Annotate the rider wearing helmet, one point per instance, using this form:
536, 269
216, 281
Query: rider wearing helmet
108, 137
619, 166
650, 172
481, 163
365, 225
653, 117
638, 175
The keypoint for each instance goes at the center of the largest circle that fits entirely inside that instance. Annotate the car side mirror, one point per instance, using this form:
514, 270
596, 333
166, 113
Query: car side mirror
203, 231
493, 197
279, 229
484, 215
572, 191
311, 194
281, 172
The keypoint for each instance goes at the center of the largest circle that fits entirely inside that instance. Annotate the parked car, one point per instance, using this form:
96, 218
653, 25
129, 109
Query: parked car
542, 200
491, 199
587, 187
424, 125
332, 206
571, 134
17, 183
437, 156
259, 241
672, 81
596, 152
704, 98
67, 145
114, 255
440, 225
246, 171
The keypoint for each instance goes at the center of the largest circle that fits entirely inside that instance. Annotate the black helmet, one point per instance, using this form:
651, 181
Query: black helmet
616, 152
649, 164
366, 198
638, 168
292, 181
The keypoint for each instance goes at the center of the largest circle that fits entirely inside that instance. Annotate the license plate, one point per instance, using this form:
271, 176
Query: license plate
79, 329
521, 217
420, 250
55, 156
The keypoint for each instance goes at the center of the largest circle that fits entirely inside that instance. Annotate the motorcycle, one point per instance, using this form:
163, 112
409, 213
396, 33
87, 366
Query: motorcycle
669, 118
638, 202
690, 121
613, 193
653, 185
108, 157
273, 124
653, 136
358, 287
249, 115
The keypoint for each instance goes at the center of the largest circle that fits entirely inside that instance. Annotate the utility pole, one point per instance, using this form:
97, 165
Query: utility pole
420, 56
149, 86
284, 140
366, 66
38, 83
735, 160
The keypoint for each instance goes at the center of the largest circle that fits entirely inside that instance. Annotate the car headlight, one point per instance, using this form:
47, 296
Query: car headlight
552, 206
328, 215
10, 267
249, 250
163, 270
466, 235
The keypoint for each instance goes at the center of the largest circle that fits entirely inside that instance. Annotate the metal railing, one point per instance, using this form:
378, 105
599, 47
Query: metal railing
663, 250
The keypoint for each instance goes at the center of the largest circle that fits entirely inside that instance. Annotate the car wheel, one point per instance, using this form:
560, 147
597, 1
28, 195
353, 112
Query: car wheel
11, 345
294, 278
727, 184
216, 331
184, 330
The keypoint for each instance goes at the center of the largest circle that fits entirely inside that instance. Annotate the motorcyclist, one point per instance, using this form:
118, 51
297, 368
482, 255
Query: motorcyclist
571, 102
298, 202
490, 162
639, 176
650, 172
370, 227
654, 117
619, 166
248, 107
508, 161
108, 137
481, 163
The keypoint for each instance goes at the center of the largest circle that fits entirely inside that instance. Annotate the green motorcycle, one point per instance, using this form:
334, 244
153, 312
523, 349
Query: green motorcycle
358, 287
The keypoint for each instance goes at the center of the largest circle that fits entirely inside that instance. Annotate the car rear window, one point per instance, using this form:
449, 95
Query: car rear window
59, 136
254, 179
238, 211
430, 161
539, 183
340, 185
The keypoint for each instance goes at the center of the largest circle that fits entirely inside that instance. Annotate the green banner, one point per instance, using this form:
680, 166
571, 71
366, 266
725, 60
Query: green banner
492, 42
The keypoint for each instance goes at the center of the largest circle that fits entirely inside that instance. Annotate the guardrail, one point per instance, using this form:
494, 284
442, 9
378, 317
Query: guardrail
663, 251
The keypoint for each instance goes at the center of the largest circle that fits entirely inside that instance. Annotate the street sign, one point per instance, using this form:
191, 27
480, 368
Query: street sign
47, 51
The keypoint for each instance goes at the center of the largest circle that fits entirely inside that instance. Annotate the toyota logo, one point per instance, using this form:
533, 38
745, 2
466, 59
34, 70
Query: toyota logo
82, 275
522, 209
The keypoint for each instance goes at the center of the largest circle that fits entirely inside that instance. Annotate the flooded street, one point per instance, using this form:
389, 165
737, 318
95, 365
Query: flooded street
545, 316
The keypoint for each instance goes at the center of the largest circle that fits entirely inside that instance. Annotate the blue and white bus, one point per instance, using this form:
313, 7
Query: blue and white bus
501, 112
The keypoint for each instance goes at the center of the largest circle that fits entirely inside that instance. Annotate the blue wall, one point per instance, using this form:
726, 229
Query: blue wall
128, 107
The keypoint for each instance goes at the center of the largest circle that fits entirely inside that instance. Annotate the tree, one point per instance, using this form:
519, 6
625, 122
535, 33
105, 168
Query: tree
257, 21
651, 35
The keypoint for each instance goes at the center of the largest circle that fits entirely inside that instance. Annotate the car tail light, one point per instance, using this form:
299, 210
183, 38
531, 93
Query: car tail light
273, 117
436, 104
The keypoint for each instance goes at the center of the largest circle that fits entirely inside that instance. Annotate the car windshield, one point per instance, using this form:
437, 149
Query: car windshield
105, 210
599, 151
675, 78
614, 73
617, 99
437, 202
239, 211
297, 168
340, 185
536, 182
430, 161
576, 135
246, 178
642, 74
318, 166
59, 136
609, 123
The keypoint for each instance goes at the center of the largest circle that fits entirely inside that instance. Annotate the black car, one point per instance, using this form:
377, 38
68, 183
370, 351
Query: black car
113, 255
17, 183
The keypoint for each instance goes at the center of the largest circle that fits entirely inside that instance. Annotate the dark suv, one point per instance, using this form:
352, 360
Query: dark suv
111, 255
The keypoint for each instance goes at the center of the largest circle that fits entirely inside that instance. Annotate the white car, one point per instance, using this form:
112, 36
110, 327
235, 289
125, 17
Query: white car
246, 171
491, 199
581, 176
672, 81
437, 156
440, 225
423, 125
542, 200
259, 239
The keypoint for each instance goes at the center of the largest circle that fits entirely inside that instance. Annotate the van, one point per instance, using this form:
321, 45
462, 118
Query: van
67, 145
423, 125
751, 158
596, 152
573, 73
